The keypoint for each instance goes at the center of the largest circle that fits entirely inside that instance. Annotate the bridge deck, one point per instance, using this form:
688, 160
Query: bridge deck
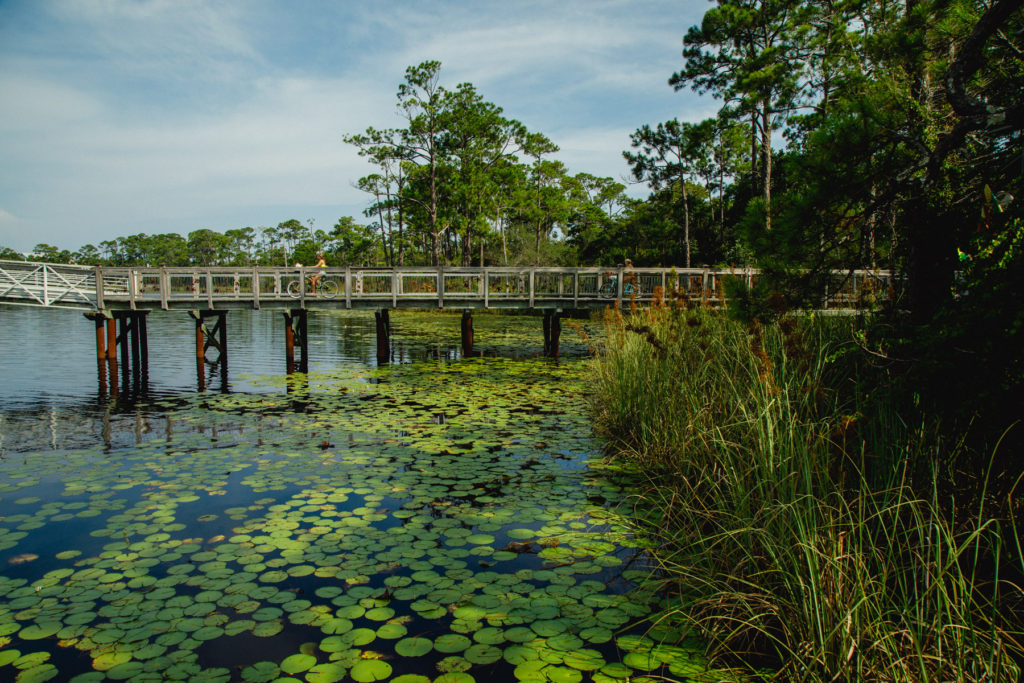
84, 287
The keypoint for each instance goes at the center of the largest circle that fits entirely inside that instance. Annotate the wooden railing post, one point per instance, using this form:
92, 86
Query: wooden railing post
131, 289
348, 286
165, 288
99, 288
255, 288
440, 286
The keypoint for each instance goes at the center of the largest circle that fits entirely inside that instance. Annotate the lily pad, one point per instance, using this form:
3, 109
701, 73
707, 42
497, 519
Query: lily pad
368, 670
413, 647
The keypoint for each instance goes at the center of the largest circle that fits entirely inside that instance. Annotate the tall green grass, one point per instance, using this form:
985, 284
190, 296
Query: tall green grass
790, 534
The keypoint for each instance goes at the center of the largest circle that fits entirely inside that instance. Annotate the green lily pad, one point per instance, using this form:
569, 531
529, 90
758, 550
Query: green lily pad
616, 670
451, 642
644, 661
329, 672
482, 654
413, 647
453, 664
39, 631
368, 670
297, 663
391, 631
458, 677
261, 672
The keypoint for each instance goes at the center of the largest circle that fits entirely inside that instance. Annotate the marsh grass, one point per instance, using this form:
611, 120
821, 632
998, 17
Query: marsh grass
791, 531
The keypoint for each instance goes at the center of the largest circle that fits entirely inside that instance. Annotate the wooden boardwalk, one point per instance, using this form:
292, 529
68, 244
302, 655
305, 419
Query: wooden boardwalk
222, 289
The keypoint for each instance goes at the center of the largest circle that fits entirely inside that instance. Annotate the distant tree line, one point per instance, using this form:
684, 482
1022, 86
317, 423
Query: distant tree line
291, 241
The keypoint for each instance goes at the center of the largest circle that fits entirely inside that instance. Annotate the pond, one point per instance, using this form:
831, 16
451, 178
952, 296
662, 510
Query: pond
435, 518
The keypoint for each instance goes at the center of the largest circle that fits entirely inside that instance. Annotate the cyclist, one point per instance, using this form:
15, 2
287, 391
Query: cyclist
320, 263
629, 277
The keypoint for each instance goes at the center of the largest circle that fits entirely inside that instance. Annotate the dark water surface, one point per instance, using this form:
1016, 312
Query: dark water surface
434, 518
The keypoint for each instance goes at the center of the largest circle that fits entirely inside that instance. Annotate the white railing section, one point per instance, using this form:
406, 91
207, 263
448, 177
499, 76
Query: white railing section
47, 284
42, 284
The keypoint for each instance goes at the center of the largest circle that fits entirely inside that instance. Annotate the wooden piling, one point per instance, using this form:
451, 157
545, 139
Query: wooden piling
552, 332
383, 320
122, 338
140, 321
101, 373
136, 346
101, 337
112, 374
296, 327
222, 334
556, 331
289, 338
111, 339
467, 332
201, 373
200, 337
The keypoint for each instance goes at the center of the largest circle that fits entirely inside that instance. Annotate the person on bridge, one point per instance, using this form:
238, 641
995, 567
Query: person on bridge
320, 263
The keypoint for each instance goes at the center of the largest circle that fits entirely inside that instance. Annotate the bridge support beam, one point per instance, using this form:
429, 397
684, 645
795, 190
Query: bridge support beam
206, 337
100, 321
133, 340
106, 351
296, 328
383, 320
467, 332
111, 339
216, 337
552, 331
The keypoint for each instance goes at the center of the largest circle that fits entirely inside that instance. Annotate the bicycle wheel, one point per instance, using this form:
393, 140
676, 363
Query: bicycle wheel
295, 289
328, 289
607, 290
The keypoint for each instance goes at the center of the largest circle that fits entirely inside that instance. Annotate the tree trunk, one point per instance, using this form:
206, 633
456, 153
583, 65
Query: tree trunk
686, 221
766, 157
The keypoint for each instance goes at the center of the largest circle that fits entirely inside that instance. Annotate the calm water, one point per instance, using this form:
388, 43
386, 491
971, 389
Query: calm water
434, 518
51, 394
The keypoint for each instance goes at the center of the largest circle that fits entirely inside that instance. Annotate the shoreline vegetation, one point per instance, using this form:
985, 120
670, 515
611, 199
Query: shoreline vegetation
806, 526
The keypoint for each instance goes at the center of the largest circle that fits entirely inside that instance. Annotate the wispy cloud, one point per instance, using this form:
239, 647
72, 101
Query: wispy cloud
156, 115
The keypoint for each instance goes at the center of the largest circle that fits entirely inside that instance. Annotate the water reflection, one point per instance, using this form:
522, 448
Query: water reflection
56, 392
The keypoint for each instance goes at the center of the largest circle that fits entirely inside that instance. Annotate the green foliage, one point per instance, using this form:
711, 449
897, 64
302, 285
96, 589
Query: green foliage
778, 487
454, 185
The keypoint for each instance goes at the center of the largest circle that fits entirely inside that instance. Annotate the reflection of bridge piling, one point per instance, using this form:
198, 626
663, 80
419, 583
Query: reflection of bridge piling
383, 321
552, 331
296, 330
467, 333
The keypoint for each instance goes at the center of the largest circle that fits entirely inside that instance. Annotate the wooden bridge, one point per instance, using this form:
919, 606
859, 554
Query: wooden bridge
113, 289
127, 295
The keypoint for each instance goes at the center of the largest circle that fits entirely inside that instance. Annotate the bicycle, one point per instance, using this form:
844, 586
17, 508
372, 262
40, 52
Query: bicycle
325, 288
610, 289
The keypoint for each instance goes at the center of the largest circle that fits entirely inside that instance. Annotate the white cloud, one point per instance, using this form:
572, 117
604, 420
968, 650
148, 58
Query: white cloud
153, 115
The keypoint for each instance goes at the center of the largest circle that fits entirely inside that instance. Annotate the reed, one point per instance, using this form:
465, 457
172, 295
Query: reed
789, 530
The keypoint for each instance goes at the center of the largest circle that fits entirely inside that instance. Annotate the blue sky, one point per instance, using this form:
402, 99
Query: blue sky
126, 116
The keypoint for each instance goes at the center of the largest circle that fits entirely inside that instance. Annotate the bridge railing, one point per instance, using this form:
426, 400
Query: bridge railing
47, 284
223, 287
